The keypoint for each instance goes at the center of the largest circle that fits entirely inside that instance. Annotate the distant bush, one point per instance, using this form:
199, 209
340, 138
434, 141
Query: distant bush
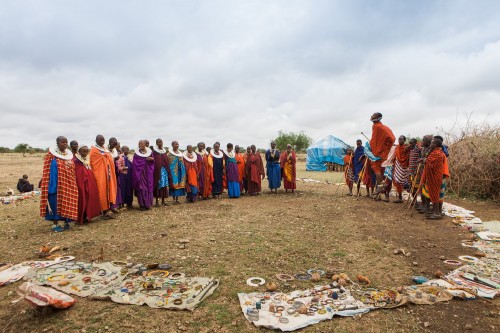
5, 150
300, 141
474, 161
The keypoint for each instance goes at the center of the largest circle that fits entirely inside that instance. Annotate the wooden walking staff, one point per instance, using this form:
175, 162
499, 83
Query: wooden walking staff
413, 183
413, 201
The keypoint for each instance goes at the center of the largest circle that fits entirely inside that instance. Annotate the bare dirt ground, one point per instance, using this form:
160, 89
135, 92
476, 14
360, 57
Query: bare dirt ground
252, 236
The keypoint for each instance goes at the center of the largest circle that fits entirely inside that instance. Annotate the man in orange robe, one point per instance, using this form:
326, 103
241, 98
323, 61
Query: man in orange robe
433, 178
240, 161
103, 167
380, 144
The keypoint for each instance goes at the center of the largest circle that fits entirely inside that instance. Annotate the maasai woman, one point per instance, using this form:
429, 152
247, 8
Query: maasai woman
273, 168
103, 167
240, 161
126, 178
401, 163
191, 164
114, 149
233, 180
161, 173
218, 170
178, 172
205, 171
348, 170
143, 175
254, 171
59, 200
245, 177
119, 164
287, 163
88, 195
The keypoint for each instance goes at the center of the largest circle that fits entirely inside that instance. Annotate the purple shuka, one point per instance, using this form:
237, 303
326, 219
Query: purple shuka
143, 179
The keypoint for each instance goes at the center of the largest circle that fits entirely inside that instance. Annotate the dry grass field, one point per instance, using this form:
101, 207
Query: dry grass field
316, 227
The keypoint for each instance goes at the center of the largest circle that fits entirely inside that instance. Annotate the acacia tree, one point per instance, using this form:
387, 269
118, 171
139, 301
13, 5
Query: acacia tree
300, 140
22, 148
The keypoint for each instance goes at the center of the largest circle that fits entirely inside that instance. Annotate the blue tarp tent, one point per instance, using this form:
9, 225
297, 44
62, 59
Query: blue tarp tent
329, 149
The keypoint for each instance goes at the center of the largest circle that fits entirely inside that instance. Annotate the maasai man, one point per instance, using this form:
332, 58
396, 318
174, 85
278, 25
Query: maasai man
89, 205
143, 175
414, 156
288, 162
191, 164
348, 171
218, 170
434, 174
59, 200
358, 164
426, 149
74, 147
273, 168
103, 167
178, 172
380, 144
205, 174
401, 163
254, 171
161, 172
369, 179
126, 178
232, 177
240, 161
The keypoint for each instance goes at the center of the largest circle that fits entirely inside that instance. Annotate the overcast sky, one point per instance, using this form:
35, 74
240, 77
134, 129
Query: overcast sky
240, 71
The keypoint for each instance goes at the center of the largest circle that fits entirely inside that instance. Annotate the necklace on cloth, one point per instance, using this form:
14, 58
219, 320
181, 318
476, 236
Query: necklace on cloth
85, 161
216, 155
103, 149
141, 154
158, 150
230, 154
65, 155
190, 157
177, 153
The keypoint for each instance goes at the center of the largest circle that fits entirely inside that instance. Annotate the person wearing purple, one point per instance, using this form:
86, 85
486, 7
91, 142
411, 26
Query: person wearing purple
143, 175
200, 153
126, 178
232, 178
119, 163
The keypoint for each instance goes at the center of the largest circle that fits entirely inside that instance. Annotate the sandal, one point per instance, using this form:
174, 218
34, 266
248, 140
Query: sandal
398, 201
434, 217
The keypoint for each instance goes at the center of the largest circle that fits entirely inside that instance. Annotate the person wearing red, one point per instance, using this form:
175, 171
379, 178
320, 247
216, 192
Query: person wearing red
254, 171
348, 173
59, 198
401, 163
89, 205
380, 144
433, 178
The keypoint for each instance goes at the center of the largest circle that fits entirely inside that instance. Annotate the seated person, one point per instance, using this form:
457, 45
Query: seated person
24, 185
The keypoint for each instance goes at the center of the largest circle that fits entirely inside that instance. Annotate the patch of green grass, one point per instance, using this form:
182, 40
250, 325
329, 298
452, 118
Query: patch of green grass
221, 313
339, 254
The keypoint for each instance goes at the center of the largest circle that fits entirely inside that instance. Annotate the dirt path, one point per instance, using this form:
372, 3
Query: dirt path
235, 239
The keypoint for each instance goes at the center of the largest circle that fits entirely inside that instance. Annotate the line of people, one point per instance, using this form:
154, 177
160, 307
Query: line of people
420, 168
83, 183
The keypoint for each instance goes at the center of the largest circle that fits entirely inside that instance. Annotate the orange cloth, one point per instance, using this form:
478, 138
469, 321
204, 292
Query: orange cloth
434, 171
382, 140
209, 175
376, 166
348, 172
240, 160
191, 174
403, 155
103, 167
